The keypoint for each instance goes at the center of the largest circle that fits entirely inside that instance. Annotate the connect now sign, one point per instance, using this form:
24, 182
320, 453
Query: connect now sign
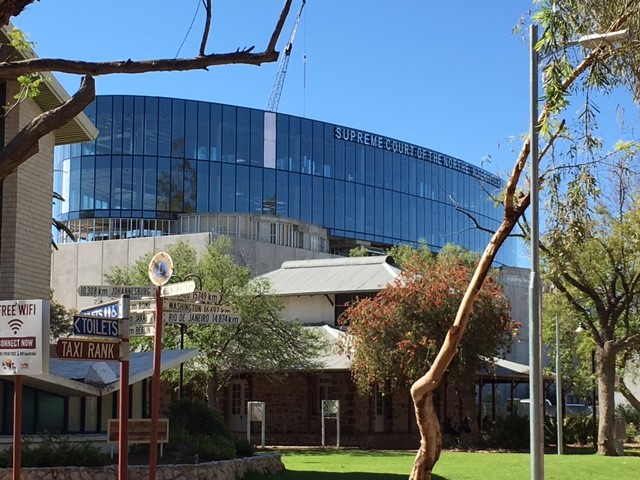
24, 337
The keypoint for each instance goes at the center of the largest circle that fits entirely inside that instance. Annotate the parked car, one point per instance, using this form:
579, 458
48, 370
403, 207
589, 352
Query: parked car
549, 408
578, 409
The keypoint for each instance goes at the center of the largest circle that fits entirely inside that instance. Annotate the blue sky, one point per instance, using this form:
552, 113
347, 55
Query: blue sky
450, 76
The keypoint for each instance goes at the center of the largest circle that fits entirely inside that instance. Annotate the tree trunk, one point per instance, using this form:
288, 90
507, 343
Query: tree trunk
423, 388
606, 369
430, 438
212, 392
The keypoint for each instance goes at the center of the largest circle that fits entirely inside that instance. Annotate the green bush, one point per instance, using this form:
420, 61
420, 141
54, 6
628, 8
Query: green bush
244, 447
633, 432
198, 431
211, 448
197, 418
578, 429
56, 452
511, 433
630, 414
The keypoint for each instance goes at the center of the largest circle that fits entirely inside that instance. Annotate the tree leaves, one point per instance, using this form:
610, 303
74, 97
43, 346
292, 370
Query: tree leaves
396, 333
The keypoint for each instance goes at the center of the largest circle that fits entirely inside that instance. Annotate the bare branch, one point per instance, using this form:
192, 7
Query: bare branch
11, 70
279, 26
207, 26
12, 8
24, 144
473, 219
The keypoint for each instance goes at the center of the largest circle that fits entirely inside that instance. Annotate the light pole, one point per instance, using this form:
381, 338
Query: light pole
536, 418
536, 415
559, 402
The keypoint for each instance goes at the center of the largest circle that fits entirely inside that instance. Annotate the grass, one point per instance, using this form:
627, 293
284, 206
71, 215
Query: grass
395, 465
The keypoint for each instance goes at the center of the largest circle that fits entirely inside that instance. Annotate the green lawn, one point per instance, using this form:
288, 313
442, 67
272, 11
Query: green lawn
395, 465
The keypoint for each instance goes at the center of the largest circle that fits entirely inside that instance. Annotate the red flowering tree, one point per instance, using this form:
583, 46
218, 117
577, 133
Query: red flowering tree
397, 334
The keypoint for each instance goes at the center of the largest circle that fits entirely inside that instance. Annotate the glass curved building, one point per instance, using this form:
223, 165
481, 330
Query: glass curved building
163, 166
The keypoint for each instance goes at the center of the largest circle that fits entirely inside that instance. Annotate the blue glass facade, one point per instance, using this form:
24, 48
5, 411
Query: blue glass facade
157, 158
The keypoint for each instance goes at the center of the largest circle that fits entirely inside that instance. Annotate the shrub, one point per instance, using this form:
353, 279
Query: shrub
56, 452
197, 418
197, 430
214, 448
630, 414
511, 432
578, 429
243, 447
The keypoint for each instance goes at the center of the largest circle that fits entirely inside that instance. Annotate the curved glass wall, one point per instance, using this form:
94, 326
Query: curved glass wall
156, 158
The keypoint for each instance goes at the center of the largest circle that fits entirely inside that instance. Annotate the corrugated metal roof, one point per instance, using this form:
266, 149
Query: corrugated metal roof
334, 359
52, 95
334, 275
67, 377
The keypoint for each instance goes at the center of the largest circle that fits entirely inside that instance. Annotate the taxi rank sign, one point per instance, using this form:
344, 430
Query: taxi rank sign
24, 334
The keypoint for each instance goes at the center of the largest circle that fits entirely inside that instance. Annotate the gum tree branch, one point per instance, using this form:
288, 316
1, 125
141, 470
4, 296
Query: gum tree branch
25, 143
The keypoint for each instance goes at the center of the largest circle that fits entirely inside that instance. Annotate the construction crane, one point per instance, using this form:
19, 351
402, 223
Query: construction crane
274, 99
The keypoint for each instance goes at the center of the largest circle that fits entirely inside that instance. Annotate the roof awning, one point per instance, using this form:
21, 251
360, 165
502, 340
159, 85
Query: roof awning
78, 378
507, 368
53, 94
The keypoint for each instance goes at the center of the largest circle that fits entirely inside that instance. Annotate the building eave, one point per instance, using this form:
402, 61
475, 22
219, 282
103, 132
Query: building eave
52, 94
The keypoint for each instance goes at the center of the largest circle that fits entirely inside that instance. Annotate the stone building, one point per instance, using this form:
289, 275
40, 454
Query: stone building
315, 292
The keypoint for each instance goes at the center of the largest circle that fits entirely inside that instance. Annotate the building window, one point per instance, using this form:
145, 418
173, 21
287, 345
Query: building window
324, 386
284, 234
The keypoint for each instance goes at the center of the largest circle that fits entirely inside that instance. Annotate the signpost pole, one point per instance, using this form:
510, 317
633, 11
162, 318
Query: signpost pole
17, 426
123, 440
155, 386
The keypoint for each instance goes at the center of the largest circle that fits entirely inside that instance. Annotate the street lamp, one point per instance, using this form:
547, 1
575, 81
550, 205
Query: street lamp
182, 330
536, 417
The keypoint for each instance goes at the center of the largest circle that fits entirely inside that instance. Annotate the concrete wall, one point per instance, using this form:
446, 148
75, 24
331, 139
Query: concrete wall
25, 233
86, 263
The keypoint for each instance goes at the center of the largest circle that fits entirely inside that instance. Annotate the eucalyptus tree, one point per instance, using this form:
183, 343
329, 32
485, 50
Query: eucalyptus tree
264, 341
568, 70
592, 259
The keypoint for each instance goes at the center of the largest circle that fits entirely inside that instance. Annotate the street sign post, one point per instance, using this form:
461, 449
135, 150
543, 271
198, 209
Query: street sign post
143, 306
142, 330
181, 288
136, 318
112, 291
200, 296
178, 306
209, 318
93, 326
108, 310
73, 349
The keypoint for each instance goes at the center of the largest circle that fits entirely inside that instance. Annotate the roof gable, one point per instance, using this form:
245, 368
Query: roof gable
334, 275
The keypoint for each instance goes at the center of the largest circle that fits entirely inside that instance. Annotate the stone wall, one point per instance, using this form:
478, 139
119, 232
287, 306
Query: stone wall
234, 469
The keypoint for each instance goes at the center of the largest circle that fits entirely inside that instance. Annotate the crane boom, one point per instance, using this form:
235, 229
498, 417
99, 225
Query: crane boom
274, 99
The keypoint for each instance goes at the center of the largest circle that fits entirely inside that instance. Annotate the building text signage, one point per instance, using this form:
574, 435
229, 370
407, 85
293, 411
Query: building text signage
385, 143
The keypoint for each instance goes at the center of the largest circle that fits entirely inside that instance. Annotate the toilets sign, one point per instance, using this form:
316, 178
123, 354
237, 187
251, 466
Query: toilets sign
24, 337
